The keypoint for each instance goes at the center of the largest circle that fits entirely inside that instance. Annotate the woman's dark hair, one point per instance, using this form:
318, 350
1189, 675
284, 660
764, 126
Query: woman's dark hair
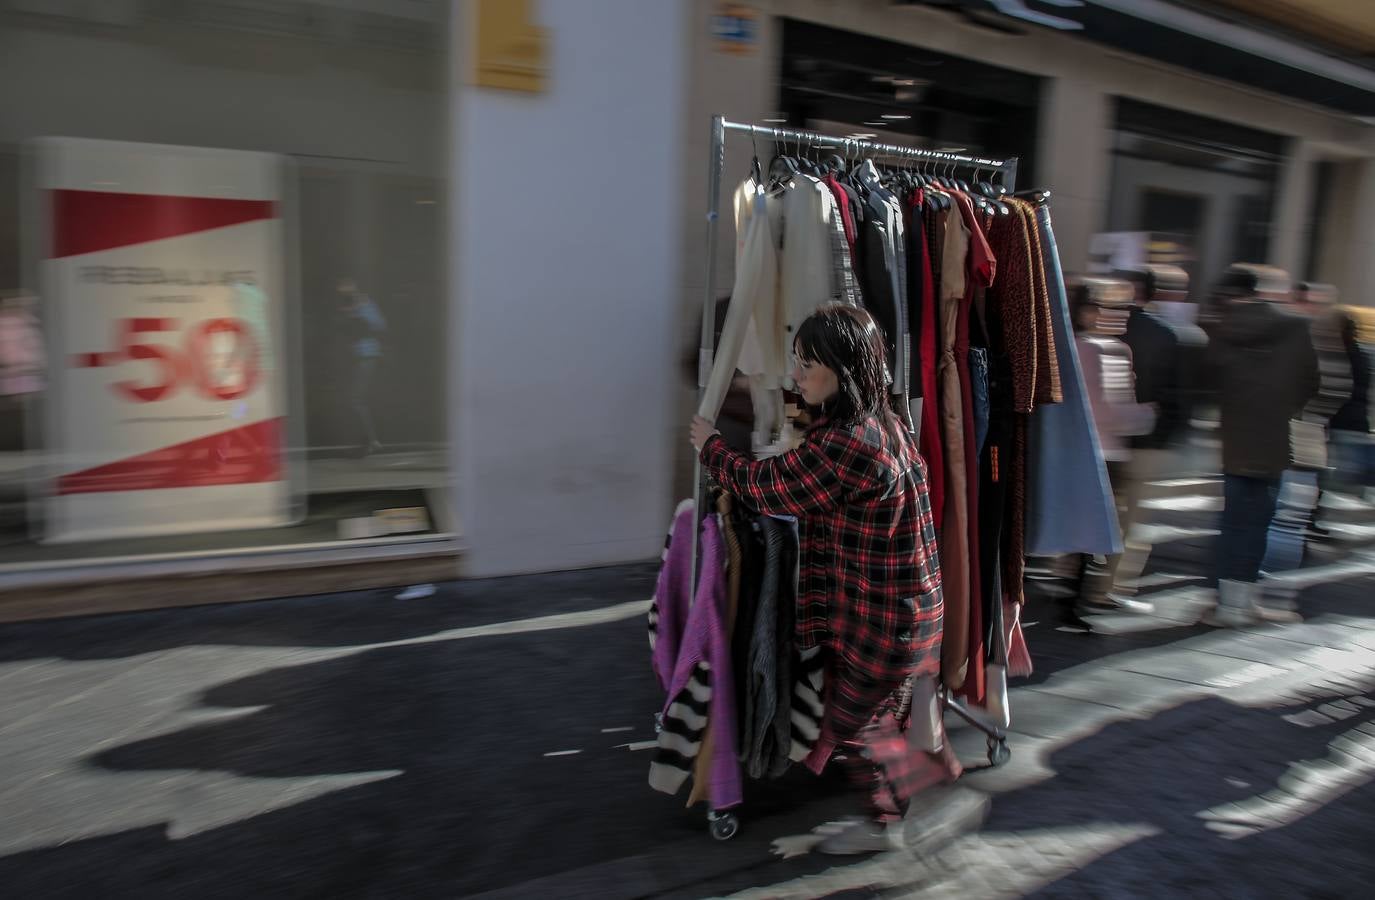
1238, 282
846, 340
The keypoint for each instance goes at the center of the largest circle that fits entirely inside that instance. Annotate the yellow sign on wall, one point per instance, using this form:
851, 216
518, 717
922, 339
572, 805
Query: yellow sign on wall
509, 51
735, 28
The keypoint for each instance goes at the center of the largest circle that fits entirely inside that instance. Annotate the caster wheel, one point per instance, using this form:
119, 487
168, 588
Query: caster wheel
998, 752
724, 826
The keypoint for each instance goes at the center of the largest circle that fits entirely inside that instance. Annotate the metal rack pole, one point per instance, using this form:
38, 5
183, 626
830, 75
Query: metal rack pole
783, 135
716, 161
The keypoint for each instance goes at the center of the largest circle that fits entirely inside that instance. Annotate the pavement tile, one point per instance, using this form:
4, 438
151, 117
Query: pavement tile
1189, 666
1131, 691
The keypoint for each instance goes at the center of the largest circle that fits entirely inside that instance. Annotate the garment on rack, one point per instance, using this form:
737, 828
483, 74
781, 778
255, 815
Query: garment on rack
815, 268
668, 607
701, 688
1022, 302
976, 286
770, 661
932, 446
808, 703
847, 218
978, 378
921, 305
1048, 387
752, 564
883, 280
701, 773
994, 497
785, 671
972, 267
1070, 504
755, 293
791, 258
1013, 300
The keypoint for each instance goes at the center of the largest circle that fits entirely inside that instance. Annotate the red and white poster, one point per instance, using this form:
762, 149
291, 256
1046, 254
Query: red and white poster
162, 289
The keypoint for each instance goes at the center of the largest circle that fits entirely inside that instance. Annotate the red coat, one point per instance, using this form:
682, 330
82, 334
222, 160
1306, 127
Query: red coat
869, 586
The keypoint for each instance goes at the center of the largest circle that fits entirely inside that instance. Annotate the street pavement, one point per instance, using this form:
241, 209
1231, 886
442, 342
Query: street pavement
490, 740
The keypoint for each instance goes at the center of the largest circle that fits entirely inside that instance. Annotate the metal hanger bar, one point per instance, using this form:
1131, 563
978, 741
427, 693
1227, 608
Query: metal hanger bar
789, 135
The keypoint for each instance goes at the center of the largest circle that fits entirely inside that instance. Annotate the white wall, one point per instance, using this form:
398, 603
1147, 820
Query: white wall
742, 87
1292, 226
1074, 145
1352, 271
567, 227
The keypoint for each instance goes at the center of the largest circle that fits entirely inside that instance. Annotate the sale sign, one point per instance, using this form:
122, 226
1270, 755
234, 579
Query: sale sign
162, 292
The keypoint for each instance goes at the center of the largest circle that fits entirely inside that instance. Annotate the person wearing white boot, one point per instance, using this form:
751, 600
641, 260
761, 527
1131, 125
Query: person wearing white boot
1267, 370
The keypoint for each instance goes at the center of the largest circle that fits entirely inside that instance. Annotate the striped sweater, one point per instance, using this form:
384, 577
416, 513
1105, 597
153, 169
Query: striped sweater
699, 684
690, 690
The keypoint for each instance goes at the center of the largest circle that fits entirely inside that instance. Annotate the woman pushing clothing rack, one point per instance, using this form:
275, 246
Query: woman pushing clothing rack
869, 584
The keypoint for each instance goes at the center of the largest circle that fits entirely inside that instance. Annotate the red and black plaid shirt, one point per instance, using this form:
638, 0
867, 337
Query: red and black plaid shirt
869, 577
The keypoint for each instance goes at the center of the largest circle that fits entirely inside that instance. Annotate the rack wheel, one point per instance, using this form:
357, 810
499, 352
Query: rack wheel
998, 752
724, 826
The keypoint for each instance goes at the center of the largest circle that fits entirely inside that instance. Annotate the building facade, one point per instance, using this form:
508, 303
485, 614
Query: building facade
519, 192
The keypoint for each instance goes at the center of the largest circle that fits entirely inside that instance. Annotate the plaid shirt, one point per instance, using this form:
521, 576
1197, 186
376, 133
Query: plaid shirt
869, 586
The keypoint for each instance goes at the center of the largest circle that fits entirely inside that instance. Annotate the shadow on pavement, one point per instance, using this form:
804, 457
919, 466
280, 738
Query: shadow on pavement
327, 621
477, 805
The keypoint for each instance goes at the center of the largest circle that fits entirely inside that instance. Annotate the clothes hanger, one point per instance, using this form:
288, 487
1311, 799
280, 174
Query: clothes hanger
818, 169
783, 167
998, 187
756, 171
947, 185
919, 174
985, 188
907, 178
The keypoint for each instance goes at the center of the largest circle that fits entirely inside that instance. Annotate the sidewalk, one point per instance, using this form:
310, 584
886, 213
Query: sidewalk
490, 741
1214, 763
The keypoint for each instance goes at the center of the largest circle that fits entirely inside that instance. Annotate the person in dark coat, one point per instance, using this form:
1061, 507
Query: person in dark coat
1267, 372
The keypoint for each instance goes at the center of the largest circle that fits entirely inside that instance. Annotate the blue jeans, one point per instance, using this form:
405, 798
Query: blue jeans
978, 381
1248, 508
1353, 455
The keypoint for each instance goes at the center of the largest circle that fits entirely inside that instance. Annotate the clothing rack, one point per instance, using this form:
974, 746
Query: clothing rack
721, 128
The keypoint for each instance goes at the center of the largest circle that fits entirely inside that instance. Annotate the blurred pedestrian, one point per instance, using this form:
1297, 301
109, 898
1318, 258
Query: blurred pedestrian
364, 326
869, 589
1100, 308
1317, 303
1267, 372
22, 358
1350, 425
1164, 356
